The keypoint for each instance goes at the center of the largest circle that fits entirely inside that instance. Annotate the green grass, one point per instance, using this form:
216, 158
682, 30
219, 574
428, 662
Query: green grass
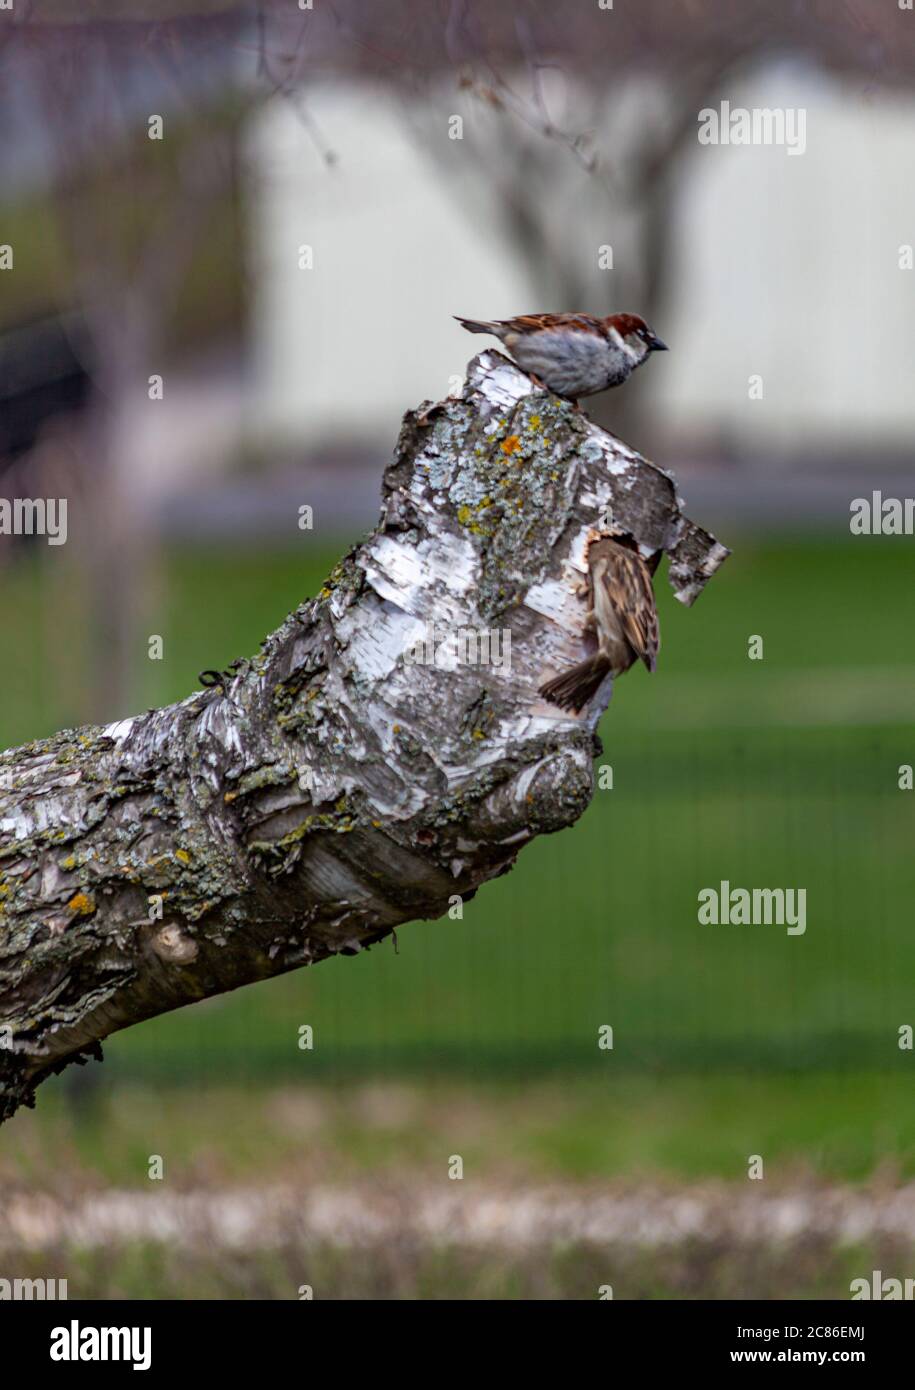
581, 1128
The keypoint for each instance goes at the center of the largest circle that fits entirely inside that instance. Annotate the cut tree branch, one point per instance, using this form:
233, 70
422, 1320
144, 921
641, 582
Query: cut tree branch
342, 781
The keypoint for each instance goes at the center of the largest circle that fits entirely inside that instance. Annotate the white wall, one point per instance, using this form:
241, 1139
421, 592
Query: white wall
398, 250
788, 266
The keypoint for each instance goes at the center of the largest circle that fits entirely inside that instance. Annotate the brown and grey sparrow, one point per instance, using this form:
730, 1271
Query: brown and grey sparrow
574, 354
622, 614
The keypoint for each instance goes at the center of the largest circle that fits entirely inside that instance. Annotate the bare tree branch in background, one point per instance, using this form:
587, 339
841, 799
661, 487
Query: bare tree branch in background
130, 215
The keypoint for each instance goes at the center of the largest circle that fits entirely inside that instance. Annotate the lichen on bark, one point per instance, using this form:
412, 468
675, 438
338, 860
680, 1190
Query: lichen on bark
330, 788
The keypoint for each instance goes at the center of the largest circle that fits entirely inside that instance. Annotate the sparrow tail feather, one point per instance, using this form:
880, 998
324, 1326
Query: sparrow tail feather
476, 325
573, 690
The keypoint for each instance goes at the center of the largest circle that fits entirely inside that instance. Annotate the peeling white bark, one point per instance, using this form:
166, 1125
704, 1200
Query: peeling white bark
330, 789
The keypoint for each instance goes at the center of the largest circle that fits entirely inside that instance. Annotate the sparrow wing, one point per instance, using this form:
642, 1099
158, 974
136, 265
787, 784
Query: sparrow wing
628, 583
536, 323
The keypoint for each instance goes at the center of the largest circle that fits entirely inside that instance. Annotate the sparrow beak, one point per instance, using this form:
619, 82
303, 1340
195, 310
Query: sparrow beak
657, 344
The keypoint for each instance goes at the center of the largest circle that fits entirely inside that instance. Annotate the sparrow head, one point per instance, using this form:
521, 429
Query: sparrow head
635, 333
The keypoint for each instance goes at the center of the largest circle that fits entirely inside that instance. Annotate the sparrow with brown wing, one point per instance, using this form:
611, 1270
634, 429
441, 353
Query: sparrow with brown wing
574, 354
622, 614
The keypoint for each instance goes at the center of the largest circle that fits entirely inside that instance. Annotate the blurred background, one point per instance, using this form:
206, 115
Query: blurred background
232, 241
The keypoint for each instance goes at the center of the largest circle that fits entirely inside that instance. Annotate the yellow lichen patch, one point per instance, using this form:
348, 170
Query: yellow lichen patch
82, 905
535, 422
511, 445
68, 863
183, 855
230, 796
465, 515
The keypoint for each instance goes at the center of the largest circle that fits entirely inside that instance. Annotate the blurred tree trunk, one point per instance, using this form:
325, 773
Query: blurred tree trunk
344, 780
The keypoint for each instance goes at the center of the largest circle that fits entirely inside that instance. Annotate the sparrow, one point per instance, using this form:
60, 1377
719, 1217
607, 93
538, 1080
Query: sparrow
574, 354
622, 613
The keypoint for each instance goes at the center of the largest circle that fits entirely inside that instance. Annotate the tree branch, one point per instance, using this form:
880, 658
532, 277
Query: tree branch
331, 788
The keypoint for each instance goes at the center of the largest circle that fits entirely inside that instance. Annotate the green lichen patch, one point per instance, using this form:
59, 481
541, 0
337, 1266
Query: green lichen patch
281, 856
512, 490
271, 775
